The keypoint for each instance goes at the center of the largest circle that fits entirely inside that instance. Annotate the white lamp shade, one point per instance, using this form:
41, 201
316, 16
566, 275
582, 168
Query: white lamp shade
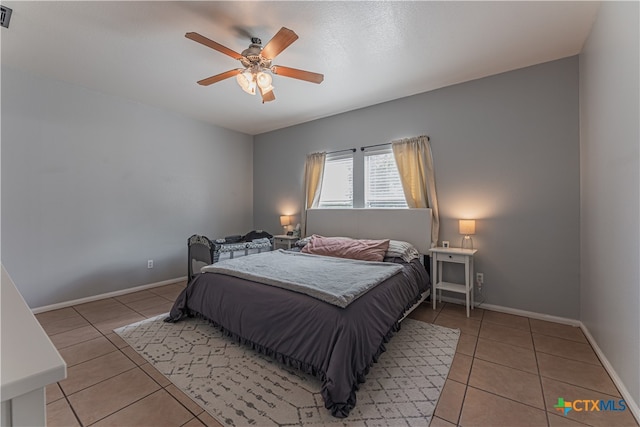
285, 220
467, 226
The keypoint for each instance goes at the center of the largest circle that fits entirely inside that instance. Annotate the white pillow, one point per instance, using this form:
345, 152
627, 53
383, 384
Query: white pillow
404, 250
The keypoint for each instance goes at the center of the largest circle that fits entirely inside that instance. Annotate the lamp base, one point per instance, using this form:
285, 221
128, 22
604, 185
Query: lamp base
467, 242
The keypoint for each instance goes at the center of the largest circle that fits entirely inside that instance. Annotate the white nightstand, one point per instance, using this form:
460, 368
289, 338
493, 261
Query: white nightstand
283, 241
455, 255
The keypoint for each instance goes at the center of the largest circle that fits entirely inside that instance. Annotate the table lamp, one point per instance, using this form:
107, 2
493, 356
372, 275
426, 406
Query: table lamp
467, 227
285, 221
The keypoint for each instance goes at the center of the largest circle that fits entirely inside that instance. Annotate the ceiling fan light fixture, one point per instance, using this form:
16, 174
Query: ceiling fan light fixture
264, 80
247, 82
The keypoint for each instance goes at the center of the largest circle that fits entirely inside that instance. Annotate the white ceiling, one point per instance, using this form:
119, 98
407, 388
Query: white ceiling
369, 52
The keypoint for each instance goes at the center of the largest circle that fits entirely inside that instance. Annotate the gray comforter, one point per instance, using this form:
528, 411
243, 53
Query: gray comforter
336, 344
337, 281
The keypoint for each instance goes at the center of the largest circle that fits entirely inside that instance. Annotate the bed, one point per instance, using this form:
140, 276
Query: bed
336, 344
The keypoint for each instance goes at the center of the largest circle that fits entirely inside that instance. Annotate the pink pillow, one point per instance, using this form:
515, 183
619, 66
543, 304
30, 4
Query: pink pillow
365, 250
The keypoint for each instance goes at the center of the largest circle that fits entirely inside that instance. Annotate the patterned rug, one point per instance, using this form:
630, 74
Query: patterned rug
240, 387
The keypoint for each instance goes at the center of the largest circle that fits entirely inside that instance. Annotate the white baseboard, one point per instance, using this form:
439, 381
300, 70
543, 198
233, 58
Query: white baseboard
531, 314
106, 295
518, 312
631, 403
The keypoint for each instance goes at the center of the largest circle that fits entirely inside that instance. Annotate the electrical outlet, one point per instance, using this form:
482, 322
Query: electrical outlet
150, 263
479, 281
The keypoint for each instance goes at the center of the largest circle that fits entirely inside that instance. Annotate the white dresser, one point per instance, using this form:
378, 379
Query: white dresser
30, 362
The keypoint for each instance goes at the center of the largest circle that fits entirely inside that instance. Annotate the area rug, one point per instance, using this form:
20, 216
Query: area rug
240, 387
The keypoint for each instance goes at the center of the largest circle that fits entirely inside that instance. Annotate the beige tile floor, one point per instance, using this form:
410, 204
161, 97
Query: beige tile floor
508, 370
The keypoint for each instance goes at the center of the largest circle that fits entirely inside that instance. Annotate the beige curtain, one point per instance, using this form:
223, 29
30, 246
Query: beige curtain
415, 165
313, 173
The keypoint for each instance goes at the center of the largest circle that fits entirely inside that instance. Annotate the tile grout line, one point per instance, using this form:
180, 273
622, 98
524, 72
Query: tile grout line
569, 359
572, 360
146, 317
96, 357
466, 386
183, 405
72, 408
75, 343
194, 418
506, 398
101, 381
584, 387
507, 326
126, 406
544, 399
66, 398
502, 342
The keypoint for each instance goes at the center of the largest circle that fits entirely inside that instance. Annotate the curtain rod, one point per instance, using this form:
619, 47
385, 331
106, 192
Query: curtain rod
380, 145
353, 150
376, 145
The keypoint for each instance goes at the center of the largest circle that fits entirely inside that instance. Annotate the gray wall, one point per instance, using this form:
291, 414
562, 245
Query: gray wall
94, 186
610, 185
506, 152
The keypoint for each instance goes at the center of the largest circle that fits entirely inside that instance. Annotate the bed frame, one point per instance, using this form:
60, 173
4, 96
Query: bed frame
409, 225
336, 344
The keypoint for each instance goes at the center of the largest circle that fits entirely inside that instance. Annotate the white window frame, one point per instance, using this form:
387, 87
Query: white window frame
358, 179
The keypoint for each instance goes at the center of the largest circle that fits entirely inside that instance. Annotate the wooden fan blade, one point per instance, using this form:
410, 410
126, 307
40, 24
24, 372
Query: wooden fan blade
218, 77
278, 43
267, 96
297, 74
213, 45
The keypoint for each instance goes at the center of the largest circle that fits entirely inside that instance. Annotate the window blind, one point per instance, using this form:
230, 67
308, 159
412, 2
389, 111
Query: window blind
337, 182
382, 185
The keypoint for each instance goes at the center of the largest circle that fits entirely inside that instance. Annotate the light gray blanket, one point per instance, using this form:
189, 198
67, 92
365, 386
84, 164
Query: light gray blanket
337, 281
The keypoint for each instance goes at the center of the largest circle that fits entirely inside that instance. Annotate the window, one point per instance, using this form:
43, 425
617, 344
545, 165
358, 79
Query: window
382, 186
337, 182
376, 184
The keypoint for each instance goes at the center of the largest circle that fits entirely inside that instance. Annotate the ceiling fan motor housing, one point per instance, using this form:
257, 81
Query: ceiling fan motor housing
251, 56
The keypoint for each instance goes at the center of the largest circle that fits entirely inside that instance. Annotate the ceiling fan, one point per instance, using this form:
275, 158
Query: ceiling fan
257, 64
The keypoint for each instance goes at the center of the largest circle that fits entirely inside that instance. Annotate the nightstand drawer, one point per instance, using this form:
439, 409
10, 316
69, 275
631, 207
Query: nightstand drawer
283, 242
450, 257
